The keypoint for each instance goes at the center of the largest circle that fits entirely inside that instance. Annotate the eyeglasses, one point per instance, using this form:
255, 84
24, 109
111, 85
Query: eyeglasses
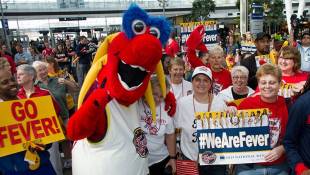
240, 77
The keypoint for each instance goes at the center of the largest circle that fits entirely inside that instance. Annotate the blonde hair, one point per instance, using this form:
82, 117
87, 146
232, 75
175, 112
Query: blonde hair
290, 52
176, 61
4, 63
269, 69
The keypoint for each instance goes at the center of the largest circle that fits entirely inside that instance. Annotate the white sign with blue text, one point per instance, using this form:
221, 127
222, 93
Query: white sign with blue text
233, 139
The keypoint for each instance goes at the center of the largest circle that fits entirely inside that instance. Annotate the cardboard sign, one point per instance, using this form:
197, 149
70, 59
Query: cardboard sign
234, 139
210, 38
26, 120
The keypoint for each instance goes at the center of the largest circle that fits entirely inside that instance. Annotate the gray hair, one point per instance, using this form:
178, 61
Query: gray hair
155, 82
216, 50
37, 64
28, 70
241, 69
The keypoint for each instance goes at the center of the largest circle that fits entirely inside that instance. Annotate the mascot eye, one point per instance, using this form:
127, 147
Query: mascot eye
155, 32
138, 27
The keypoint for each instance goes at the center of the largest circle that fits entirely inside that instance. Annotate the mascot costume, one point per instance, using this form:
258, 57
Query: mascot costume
105, 128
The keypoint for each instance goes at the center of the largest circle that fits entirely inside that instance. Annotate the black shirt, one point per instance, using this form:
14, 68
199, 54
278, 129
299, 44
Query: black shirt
237, 96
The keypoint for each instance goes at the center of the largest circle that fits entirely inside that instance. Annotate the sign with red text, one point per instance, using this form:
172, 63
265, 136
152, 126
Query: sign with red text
26, 120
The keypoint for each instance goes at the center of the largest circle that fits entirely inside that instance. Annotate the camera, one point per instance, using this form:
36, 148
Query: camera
299, 24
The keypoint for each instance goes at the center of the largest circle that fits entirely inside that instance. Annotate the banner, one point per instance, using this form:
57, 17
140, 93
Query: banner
28, 120
233, 139
247, 47
210, 38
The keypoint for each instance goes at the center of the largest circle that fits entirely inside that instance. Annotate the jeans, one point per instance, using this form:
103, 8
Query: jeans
81, 73
255, 169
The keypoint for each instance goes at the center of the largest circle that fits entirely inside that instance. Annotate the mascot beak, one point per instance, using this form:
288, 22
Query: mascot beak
149, 93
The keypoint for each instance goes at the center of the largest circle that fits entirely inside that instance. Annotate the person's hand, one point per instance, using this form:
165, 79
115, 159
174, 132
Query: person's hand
172, 163
231, 110
307, 172
298, 87
195, 39
274, 154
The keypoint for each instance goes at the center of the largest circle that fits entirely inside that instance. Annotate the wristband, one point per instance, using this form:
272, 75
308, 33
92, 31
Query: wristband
173, 157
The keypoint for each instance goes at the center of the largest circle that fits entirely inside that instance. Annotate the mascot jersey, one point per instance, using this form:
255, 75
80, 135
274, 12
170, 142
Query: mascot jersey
106, 126
122, 150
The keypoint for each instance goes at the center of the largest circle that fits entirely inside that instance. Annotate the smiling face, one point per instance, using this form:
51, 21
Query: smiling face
8, 86
176, 73
269, 80
286, 64
239, 81
201, 84
269, 87
42, 73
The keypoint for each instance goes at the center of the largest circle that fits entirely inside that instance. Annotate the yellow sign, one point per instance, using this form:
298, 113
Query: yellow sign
243, 118
28, 120
197, 23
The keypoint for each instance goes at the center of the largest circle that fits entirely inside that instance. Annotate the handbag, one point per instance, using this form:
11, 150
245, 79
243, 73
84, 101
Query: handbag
186, 167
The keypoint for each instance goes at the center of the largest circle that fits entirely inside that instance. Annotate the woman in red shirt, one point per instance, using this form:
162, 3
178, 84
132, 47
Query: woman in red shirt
269, 81
293, 79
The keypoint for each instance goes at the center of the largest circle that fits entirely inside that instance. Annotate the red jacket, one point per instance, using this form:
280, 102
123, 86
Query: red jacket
38, 92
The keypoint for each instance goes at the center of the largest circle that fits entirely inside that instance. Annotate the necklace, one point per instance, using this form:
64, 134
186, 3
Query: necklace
153, 128
209, 106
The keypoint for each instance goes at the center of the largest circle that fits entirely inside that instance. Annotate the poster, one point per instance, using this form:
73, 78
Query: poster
210, 38
26, 120
233, 139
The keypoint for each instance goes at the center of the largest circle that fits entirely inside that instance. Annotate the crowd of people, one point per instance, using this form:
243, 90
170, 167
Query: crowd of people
58, 72
200, 83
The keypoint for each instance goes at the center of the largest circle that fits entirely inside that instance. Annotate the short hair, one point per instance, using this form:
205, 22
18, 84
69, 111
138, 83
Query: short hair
242, 69
290, 52
28, 70
216, 50
36, 64
176, 61
4, 63
155, 82
51, 59
82, 37
269, 69
304, 34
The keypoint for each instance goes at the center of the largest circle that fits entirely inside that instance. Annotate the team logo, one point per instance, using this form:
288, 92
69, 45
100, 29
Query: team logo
208, 157
139, 141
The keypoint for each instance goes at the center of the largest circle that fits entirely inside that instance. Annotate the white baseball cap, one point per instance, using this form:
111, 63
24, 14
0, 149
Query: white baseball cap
202, 70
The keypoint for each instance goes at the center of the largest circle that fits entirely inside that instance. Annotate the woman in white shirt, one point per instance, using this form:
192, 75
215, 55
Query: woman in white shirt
179, 86
160, 135
202, 100
239, 89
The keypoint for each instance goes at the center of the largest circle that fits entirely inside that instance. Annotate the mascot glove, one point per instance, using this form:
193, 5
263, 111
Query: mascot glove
195, 39
170, 104
90, 120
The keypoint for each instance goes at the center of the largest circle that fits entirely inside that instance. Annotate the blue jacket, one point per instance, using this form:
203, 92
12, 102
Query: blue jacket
297, 138
14, 164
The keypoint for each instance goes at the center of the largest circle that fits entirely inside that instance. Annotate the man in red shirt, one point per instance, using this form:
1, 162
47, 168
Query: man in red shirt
48, 51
